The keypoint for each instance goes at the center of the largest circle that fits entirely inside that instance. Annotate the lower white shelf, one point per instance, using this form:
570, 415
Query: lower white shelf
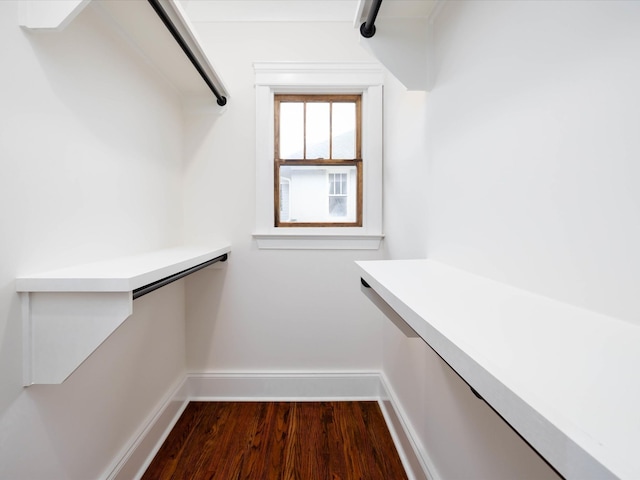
563, 377
68, 313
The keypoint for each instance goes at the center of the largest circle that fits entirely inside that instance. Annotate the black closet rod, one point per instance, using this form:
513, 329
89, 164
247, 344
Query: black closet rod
138, 292
368, 29
155, 4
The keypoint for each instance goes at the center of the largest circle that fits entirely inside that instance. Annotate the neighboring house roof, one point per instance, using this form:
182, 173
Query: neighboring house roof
343, 148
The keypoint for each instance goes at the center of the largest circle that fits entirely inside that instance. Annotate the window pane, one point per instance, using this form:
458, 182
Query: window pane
338, 184
292, 130
344, 130
318, 128
338, 207
309, 193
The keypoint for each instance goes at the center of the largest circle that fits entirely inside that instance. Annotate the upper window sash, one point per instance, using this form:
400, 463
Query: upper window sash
300, 112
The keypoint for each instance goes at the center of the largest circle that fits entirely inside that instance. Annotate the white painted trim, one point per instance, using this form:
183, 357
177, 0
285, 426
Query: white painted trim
285, 386
295, 241
272, 386
322, 76
414, 457
138, 453
286, 77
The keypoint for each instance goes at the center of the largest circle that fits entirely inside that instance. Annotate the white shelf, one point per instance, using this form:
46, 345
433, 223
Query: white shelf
564, 377
137, 21
119, 275
404, 38
68, 313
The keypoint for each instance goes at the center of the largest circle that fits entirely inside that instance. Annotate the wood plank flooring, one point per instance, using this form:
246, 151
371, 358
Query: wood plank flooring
278, 440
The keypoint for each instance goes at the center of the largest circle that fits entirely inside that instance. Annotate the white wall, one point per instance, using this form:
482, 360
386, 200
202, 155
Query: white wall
277, 310
90, 148
533, 129
518, 165
460, 435
526, 172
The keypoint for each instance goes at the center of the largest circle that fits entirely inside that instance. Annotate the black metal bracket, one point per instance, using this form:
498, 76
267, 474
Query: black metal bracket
155, 4
139, 292
474, 391
364, 284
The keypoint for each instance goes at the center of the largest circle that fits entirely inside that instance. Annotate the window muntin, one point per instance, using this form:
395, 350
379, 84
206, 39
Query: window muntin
317, 136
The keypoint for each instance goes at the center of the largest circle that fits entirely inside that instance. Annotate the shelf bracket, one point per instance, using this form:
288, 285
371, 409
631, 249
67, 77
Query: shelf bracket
60, 330
68, 313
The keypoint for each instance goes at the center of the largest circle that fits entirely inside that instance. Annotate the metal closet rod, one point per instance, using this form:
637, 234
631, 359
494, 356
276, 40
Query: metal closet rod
138, 292
155, 4
368, 29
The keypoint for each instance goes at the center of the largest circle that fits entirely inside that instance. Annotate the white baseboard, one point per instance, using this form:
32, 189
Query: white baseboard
417, 460
273, 387
284, 386
138, 454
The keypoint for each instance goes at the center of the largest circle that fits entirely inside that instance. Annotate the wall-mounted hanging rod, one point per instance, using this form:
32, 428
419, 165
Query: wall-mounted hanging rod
155, 4
368, 29
138, 292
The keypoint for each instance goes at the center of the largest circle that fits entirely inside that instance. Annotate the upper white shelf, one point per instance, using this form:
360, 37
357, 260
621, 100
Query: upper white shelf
567, 379
403, 39
123, 274
68, 313
141, 25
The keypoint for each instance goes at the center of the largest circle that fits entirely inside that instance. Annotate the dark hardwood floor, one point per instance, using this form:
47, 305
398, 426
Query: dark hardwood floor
278, 440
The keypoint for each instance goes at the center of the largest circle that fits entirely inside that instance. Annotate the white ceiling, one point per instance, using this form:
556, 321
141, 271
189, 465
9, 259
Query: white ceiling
271, 10
300, 10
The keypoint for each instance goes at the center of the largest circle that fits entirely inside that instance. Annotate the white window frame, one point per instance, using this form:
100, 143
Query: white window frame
319, 78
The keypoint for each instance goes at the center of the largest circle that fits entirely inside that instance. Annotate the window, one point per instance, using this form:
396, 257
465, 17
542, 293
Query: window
317, 151
338, 194
318, 155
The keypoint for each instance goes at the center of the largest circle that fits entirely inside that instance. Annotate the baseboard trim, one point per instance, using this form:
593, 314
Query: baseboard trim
417, 459
284, 386
137, 455
270, 386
